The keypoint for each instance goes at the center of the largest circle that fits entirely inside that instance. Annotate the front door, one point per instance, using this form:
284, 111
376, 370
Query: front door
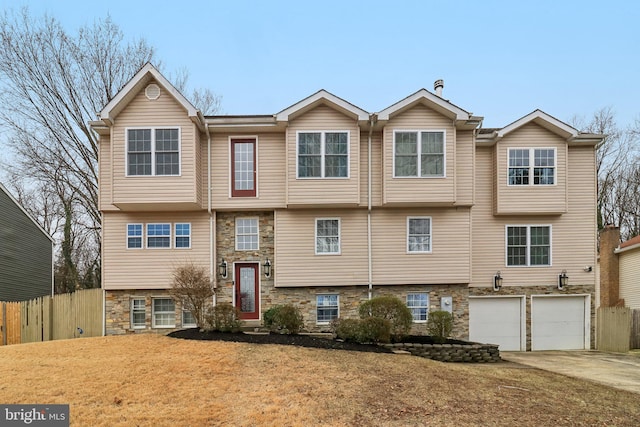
247, 291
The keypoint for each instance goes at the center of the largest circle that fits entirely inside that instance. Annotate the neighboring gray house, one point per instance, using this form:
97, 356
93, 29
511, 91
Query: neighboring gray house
26, 253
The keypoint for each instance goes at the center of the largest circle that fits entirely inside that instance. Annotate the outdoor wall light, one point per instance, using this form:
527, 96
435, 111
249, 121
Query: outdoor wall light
497, 282
222, 269
267, 268
563, 280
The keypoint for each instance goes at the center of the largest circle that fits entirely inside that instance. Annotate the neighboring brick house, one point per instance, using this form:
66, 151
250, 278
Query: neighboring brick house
26, 253
619, 284
324, 205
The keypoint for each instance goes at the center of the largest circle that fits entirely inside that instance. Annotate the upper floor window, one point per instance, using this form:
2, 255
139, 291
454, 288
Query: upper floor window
522, 169
153, 151
182, 235
243, 168
419, 235
418, 154
328, 236
323, 154
134, 236
158, 235
247, 235
528, 245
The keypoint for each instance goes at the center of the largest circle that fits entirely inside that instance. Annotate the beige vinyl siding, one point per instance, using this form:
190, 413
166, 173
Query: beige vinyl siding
525, 199
419, 191
162, 190
376, 169
201, 185
448, 262
270, 177
105, 194
488, 236
124, 268
630, 278
465, 153
323, 191
296, 263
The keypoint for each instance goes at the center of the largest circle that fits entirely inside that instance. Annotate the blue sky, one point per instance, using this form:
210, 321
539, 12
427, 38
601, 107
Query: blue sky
499, 59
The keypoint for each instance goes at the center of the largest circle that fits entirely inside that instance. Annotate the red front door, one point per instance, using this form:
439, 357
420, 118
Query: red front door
247, 291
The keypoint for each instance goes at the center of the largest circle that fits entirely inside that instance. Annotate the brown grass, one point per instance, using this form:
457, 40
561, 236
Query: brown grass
155, 380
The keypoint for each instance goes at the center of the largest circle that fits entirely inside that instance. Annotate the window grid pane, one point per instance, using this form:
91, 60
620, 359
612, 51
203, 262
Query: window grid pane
134, 236
518, 167
517, 246
247, 234
418, 304
183, 235
243, 166
336, 154
328, 236
419, 238
540, 246
167, 152
164, 312
138, 313
528, 245
139, 151
326, 308
158, 235
406, 154
309, 155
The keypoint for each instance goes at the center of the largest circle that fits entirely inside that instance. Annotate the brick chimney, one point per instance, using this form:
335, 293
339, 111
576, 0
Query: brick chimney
609, 271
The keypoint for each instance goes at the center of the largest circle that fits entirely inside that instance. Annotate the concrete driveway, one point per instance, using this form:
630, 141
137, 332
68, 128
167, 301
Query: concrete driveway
619, 370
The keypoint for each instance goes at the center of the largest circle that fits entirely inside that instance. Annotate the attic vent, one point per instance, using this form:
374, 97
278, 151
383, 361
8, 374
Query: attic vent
152, 91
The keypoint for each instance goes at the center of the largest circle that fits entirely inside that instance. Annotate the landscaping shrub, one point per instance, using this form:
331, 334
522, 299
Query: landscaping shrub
367, 330
224, 318
392, 309
191, 286
284, 319
440, 325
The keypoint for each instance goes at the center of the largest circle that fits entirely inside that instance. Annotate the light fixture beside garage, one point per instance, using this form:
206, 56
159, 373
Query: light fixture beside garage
563, 280
497, 281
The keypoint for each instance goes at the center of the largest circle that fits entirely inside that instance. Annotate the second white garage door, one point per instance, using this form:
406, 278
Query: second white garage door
497, 320
559, 322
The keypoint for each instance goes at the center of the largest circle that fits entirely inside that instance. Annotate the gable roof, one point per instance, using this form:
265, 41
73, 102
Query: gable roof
429, 99
322, 97
146, 74
543, 119
15, 201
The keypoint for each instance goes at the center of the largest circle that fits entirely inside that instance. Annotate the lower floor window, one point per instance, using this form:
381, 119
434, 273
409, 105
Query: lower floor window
419, 305
138, 313
327, 308
188, 320
164, 313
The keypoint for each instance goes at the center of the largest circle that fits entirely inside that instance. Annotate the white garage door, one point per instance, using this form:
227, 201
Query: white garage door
497, 321
559, 322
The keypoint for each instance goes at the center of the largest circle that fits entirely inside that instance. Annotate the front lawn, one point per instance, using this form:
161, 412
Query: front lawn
156, 380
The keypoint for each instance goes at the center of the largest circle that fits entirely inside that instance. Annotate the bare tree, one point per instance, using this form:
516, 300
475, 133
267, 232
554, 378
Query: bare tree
618, 169
192, 287
52, 83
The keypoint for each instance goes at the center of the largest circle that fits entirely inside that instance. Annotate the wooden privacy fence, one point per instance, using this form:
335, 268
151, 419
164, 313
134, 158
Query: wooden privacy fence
614, 329
78, 314
635, 329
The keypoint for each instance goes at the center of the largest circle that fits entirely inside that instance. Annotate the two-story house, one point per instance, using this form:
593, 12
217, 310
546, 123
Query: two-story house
324, 205
26, 253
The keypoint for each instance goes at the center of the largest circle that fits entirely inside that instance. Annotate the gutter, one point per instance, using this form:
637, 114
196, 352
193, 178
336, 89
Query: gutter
212, 255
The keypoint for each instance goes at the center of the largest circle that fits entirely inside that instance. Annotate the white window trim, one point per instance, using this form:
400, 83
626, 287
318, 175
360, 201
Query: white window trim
419, 154
532, 161
153, 314
175, 236
147, 235
236, 233
317, 307
132, 311
141, 236
322, 154
430, 235
426, 306
528, 258
153, 150
230, 155
315, 240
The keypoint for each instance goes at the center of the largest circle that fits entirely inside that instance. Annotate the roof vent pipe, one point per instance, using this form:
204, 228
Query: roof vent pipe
437, 86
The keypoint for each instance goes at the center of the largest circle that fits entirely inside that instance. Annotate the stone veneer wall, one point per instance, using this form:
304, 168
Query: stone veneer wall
528, 291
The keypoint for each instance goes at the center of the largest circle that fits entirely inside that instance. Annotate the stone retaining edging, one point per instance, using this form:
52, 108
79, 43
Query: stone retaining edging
464, 353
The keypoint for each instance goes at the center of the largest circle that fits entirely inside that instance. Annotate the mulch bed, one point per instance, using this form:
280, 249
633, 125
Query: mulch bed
299, 340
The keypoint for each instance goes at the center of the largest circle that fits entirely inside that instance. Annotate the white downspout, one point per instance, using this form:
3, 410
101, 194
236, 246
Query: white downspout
372, 120
212, 255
